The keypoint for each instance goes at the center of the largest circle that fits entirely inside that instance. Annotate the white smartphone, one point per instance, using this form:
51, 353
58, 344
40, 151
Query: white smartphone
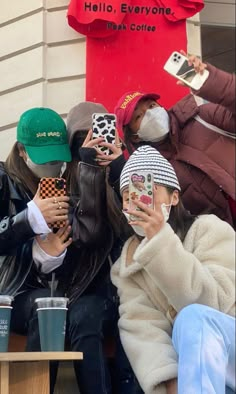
177, 65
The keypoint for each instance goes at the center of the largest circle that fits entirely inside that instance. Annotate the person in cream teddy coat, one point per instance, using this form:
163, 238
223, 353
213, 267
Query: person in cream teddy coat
175, 279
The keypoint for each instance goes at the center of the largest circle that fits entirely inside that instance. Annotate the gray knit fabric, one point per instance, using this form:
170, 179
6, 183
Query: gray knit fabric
146, 158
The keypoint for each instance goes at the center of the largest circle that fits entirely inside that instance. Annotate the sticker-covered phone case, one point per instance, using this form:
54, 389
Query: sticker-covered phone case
140, 189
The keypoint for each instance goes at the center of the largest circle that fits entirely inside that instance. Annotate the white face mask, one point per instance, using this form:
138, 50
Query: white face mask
155, 125
137, 229
166, 208
166, 211
45, 170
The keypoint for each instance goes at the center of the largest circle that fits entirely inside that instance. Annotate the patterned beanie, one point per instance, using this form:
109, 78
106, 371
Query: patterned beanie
146, 158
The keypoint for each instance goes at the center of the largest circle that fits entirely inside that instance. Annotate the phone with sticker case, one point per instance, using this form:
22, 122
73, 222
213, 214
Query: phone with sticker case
104, 125
53, 187
141, 187
177, 65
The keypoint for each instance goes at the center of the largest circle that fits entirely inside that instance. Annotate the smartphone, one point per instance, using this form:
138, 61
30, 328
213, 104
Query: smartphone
141, 186
104, 125
53, 187
177, 65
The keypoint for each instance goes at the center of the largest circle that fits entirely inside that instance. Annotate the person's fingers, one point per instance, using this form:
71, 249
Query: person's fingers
88, 138
56, 210
103, 163
191, 58
62, 205
94, 142
181, 83
103, 157
115, 148
183, 52
144, 208
65, 233
63, 230
58, 199
67, 243
203, 66
108, 145
55, 217
140, 215
60, 232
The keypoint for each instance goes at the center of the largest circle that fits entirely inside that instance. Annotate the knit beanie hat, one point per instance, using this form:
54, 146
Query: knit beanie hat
146, 158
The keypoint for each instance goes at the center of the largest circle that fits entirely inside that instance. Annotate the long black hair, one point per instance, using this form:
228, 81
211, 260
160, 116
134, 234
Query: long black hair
180, 218
19, 171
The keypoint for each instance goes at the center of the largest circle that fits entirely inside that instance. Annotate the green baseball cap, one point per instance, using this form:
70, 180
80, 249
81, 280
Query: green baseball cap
43, 133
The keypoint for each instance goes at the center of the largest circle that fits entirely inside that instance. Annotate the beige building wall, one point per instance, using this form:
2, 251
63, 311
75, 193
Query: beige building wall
43, 61
218, 13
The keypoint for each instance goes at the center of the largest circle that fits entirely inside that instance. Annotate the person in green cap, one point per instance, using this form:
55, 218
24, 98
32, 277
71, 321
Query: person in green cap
41, 150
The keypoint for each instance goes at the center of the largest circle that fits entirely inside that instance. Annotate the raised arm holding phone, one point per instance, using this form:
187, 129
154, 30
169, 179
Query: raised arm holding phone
198, 140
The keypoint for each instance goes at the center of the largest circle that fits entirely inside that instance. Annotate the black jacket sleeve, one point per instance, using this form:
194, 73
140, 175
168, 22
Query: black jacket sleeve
14, 231
90, 215
116, 167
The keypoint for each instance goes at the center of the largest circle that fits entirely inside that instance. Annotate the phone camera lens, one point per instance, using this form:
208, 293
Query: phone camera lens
59, 184
175, 60
179, 57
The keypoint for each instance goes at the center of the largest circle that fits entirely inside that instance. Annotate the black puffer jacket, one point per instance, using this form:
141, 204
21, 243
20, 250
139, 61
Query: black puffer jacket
86, 267
16, 236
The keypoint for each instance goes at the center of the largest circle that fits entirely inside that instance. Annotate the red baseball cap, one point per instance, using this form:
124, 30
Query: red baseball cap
126, 106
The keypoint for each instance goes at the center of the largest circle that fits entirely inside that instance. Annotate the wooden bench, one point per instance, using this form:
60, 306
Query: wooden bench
28, 372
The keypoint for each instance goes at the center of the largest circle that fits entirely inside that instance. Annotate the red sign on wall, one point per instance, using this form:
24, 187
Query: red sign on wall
128, 44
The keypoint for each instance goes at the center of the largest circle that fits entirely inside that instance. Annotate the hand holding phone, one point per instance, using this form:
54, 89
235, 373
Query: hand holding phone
54, 187
178, 66
104, 125
141, 187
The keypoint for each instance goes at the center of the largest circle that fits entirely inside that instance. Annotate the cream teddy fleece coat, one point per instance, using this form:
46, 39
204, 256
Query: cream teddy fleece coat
165, 275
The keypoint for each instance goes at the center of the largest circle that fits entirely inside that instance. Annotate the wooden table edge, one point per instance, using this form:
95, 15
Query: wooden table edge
40, 356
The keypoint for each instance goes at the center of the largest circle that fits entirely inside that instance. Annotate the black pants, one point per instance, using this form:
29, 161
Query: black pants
90, 320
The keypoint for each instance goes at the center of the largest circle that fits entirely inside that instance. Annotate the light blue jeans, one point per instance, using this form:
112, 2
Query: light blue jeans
204, 340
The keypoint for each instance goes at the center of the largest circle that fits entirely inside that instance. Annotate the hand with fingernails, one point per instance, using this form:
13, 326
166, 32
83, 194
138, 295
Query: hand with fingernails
116, 150
89, 142
198, 65
52, 208
149, 219
56, 243
101, 158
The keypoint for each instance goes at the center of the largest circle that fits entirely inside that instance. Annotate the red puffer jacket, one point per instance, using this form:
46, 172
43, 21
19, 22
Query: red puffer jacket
203, 159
